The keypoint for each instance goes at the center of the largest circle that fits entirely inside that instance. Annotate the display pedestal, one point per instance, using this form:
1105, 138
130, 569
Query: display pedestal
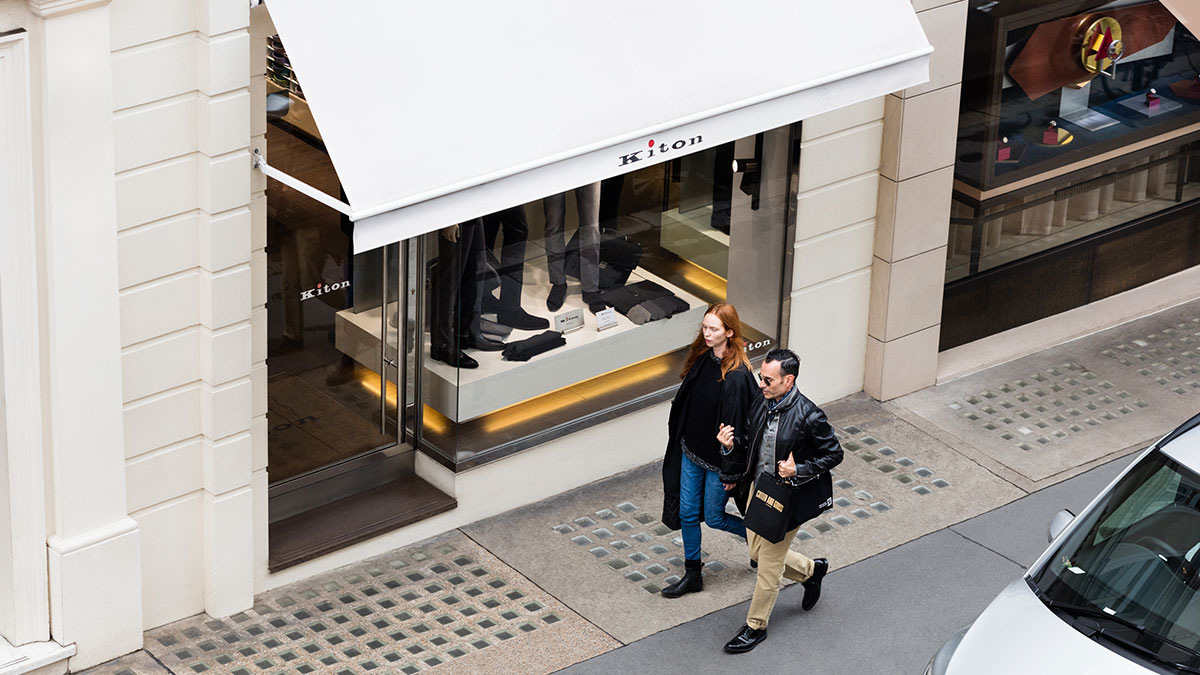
464, 394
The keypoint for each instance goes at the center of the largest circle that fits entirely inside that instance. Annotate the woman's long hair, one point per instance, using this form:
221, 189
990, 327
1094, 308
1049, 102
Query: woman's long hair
735, 347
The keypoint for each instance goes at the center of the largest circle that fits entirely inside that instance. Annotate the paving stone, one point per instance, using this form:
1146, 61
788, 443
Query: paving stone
342, 626
1046, 415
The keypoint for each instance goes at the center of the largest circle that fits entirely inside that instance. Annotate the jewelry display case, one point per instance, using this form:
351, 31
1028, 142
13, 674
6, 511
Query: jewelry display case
1073, 178
1048, 85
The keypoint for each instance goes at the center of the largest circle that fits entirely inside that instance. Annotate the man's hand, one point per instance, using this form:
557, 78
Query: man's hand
725, 436
451, 233
729, 486
787, 468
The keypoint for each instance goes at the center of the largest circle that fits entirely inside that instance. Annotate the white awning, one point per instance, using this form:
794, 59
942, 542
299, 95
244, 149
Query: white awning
436, 112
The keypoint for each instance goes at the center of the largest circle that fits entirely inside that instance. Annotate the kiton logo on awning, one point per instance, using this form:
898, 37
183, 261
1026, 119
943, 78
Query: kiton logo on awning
661, 149
322, 289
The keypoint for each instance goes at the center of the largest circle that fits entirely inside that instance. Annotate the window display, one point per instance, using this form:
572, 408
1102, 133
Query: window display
1049, 84
544, 315
1077, 127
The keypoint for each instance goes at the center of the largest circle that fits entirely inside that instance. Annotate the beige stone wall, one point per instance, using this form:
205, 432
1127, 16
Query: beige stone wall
917, 165
835, 229
181, 123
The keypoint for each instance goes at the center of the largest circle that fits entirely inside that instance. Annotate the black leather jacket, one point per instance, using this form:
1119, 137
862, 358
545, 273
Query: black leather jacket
803, 431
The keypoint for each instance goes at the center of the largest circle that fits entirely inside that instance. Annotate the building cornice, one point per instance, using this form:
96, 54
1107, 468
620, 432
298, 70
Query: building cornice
51, 8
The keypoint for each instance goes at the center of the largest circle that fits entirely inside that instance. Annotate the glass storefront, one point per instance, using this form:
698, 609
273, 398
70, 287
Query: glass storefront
553, 312
514, 328
1077, 124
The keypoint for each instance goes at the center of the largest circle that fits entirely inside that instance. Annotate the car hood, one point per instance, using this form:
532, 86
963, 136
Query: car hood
1017, 633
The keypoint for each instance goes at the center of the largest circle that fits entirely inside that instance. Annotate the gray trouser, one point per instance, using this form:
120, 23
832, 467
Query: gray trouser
587, 202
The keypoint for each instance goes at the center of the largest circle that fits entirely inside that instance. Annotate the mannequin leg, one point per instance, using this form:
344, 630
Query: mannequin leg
442, 313
587, 200
512, 256
555, 207
470, 246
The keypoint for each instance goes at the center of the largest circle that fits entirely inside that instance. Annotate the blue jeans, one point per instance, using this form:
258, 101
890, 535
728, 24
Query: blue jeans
697, 487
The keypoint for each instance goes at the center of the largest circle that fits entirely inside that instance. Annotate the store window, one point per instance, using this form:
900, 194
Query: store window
1077, 120
516, 327
549, 314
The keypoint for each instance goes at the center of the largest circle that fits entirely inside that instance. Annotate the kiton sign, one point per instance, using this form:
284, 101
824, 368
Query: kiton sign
322, 289
660, 149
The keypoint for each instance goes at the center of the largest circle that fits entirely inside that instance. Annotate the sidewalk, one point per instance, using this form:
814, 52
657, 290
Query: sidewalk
577, 576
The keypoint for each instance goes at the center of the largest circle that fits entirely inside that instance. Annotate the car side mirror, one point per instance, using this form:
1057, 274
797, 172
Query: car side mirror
1058, 523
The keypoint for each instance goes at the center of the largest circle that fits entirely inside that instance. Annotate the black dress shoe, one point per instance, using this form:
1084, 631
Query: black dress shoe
558, 292
595, 302
453, 357
746, 639
812, 587
480, 342
691, 582
522, 320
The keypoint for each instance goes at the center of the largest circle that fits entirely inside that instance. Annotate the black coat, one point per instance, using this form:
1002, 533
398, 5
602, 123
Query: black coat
803, 432
739, 390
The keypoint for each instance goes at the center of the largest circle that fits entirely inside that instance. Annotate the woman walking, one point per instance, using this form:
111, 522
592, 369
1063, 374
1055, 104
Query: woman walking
718, 388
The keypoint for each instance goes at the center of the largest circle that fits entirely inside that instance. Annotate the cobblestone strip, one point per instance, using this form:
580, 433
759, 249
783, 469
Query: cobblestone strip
408, 611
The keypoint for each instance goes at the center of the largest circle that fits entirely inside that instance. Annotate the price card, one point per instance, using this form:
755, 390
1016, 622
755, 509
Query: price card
606, 318
568, 322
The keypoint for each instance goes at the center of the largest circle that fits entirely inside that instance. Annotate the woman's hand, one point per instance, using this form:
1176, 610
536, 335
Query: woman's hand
725, 436
729, 486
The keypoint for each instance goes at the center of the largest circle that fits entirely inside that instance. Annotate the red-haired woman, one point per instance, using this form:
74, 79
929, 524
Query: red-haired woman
698, 474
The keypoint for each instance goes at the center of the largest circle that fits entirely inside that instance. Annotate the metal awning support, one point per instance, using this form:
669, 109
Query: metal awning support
260, 163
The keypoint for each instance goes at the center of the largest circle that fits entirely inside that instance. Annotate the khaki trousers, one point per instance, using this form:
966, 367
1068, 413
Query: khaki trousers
775, 561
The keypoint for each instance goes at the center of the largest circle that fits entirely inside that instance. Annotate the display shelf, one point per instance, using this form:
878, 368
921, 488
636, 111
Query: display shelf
464, 394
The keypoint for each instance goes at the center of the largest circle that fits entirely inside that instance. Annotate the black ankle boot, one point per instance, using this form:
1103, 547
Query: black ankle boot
691, 582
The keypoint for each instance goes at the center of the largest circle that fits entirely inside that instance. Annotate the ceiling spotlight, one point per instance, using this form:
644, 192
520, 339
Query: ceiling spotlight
749, 165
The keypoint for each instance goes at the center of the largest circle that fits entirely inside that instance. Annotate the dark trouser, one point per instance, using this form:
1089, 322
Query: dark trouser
456, 292
587, 204
512, 253
610, 201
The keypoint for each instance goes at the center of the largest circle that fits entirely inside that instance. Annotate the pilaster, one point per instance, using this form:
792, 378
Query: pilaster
260, 28
224, 248
913, 214
24, 605
94, 560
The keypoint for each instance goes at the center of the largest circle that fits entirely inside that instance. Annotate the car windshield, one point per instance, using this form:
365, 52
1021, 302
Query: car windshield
1128, 571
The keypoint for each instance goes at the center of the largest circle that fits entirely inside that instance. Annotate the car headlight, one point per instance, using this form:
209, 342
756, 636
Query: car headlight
941, 659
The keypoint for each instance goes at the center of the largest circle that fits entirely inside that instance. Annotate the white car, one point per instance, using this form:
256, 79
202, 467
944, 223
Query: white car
1117, 591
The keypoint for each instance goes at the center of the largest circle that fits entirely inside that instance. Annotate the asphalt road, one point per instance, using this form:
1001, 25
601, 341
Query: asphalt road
884, 615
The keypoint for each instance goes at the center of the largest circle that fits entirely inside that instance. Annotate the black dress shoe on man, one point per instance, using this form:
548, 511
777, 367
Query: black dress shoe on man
812, 587
480, 342
558, 292
453, 357
521, 320
746, 639
691, 582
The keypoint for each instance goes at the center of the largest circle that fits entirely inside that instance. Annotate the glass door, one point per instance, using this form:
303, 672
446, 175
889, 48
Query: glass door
336, 323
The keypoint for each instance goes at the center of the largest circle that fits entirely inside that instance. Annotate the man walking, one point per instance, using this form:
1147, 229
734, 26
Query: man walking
791, 436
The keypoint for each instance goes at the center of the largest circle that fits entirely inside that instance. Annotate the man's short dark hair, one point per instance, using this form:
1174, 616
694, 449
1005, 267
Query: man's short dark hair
789, 363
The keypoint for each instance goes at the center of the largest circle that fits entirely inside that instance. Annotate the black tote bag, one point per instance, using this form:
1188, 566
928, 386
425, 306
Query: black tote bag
774, 505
